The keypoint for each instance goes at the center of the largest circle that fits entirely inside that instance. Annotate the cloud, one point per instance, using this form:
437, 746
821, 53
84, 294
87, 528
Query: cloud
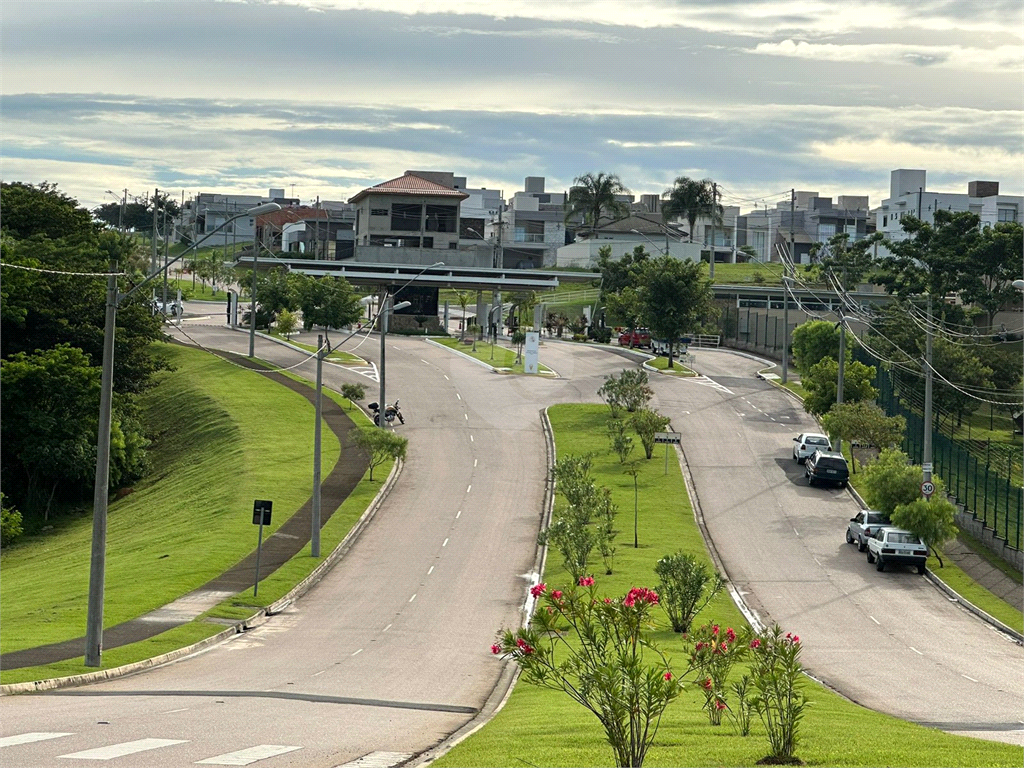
1005, 58
648, 144
883, 153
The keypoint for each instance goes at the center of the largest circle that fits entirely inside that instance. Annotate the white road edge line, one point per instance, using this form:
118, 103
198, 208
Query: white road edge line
361, 650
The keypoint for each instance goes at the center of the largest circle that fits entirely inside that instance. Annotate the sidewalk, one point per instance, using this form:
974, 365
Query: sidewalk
277, 549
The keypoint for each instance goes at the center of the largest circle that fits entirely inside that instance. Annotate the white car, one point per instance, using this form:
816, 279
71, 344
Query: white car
808, 443
894, 546
864, 526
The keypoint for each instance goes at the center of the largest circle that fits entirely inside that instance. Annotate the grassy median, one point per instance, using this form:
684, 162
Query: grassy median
494, 355
541, 727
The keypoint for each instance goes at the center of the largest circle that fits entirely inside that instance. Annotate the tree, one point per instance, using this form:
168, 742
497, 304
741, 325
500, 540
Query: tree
621, 443
675, 298
287, 322
593, 194
647, 423
993, 266
686, 587
599, 652
636, 390
865, 424
518, 340
619, 274
463, 298
10, 522
353, 392
892, 481
814, 340
822, 380
382, 445
43, 210
328, 303
690, 199
849, 263
931, 519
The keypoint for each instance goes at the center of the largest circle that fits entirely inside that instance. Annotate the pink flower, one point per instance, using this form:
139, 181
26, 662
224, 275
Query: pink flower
707, 684
608, 600
700, 646
538, 589
527, 650
640, 594
495, 649
587, 581
667, 675
796, 639
789, 635
557, 594
755, 643
725, 647
714, 630
719, 704
730, 635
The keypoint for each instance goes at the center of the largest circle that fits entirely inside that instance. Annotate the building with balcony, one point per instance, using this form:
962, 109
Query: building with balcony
532, 226
623, 235
208, 210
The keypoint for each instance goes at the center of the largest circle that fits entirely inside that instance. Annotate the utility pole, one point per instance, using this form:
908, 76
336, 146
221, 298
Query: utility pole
252, 297
714, 213
926, 460
384, 311
792, 237
314, 537
498, 256
787, 285
842, 369
152, 264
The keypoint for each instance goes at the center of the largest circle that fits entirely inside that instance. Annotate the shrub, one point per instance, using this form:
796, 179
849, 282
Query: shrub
891, 480
776, 673
931, 519
10, 522
353, 392
382, 445
647, 423
713, 655
686, 587
622, 444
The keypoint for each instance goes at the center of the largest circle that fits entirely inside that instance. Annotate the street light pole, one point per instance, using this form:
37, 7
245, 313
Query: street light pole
252, 297
97, 565
314, 539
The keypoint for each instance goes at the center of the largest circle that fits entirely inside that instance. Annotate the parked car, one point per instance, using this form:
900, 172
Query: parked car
808, 443
864, 526
894, 546
640, 337
827, 466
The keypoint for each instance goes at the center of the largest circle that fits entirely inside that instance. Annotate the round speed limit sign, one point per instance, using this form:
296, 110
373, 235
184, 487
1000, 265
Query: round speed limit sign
927, 488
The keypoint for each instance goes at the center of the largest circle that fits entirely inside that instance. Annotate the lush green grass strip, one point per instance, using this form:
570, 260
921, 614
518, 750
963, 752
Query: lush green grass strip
223, 437
337, 355
492, 354
678, 369
540, 727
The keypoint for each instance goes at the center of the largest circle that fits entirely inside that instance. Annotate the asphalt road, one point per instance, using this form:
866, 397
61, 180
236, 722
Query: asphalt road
890, 640
388, 654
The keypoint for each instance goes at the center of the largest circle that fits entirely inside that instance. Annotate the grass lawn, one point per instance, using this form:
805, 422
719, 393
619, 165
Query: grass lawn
337, 355
492, 354
678, 369
541, 727
186, 523
200, 292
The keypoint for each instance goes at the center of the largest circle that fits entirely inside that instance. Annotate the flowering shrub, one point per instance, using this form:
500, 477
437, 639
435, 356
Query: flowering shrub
713, 655
687, 586
777, 676
599, 652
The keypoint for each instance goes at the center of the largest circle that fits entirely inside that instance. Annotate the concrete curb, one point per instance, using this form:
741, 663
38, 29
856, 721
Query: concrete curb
502, 690
491, 368
938, 583
255, 620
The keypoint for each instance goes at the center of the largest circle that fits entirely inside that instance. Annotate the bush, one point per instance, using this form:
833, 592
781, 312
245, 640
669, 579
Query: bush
891, 481
579, 337
686, 587
600, 335
647, 424
353, 392
10, 522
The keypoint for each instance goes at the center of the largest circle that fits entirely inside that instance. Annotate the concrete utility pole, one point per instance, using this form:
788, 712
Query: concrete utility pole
384, 312
842, 369
314, 537
714, 213
926, 460
252, 298
152, 264
787, 283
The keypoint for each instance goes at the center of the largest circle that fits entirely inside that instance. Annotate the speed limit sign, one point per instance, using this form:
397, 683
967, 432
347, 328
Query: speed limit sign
927, 488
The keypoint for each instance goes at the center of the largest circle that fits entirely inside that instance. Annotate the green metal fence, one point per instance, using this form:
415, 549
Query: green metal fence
979, 478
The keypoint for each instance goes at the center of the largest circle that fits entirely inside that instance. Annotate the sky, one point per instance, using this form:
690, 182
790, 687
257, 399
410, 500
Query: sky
327, 97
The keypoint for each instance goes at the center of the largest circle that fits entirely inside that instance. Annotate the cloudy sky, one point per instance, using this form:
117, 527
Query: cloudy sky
327, 97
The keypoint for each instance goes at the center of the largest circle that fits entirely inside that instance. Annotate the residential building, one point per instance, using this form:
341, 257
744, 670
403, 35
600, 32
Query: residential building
208, 210
532, 226
807, 218
325, 231
623, 235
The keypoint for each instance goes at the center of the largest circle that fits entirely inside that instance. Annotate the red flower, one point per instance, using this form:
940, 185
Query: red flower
495, 649
527, 650
608, 600
587, 581
796, 639
714, 630
725, 647
707, 684
789, 635
719, 704
667, 675
700, 646
730, 635
755, 643
640, 594
557, 594
538, 589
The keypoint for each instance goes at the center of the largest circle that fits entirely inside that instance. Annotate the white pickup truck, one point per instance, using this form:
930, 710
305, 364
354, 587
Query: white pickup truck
864, 526
894, 546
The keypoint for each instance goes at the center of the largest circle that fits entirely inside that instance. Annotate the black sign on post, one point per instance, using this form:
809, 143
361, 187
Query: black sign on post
260, 516
261, 512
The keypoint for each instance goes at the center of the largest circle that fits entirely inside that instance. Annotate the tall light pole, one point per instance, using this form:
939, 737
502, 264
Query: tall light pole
97, 566
385, 309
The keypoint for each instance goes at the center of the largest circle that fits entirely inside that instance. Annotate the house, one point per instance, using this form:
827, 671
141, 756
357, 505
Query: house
623, 235
803, 220
206, 211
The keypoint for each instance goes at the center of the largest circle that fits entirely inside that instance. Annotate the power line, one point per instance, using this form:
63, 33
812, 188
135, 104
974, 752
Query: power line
59, 272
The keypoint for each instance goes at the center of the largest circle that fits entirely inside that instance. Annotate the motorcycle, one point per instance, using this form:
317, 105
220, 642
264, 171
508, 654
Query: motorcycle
391, 412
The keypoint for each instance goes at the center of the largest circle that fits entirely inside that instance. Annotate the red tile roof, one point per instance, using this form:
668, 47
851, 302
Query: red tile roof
410, 185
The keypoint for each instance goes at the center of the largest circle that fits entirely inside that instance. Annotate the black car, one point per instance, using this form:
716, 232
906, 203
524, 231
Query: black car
827, 466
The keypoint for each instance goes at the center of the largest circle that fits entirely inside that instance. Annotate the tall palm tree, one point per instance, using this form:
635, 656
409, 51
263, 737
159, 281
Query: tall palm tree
691, 199
594, 194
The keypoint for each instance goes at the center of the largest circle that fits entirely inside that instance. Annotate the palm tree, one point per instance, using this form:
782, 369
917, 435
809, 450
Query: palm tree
690, 199
594, 194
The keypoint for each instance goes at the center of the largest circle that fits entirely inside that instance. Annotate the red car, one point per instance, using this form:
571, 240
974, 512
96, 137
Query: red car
640, 337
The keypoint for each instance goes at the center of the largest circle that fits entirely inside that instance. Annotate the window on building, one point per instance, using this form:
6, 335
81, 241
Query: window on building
428, 242
441, 218
406, 217
452, 246
1007, 214
379, 211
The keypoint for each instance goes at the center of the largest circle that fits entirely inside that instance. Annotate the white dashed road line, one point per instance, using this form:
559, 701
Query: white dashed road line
430, 571
412, 598
875, 620
445, 543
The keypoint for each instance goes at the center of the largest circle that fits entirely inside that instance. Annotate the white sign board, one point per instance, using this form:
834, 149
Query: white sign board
927, 489
672, 438
532, 351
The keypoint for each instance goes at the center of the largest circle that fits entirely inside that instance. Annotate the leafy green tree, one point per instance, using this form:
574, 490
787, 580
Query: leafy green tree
864, 423
381, 445
42, 210
646, 423
892, 481
518, 340
675, 298
686, 587
619, 274
636, 390
690, 199
814, 340
621, 443
850, 263
931, 519
328, 303
353, 392
994, 264
463, 298
934, 259
287, 322
960, 364
822, 380
10, 522
593, 194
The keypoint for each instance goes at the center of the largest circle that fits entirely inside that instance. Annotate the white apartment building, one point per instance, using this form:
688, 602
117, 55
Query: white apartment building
208, 210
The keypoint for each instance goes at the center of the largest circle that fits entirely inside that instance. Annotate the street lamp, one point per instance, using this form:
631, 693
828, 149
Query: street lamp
385, 310
94, 620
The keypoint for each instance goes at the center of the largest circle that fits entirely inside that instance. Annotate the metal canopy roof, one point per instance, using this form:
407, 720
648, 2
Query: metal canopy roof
474, 278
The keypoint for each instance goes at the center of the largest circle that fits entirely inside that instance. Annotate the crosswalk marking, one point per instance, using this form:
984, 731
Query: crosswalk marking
378, 760
250, 755
28, 738
120, 750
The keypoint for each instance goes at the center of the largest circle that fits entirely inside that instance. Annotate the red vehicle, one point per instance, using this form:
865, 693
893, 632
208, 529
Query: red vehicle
640, 337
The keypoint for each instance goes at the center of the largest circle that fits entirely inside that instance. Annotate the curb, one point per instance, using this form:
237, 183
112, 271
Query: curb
502, 690
292, 346
491, 368
255, 620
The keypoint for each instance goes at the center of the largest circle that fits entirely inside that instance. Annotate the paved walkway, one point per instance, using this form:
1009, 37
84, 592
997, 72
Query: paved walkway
992, 579
279, 548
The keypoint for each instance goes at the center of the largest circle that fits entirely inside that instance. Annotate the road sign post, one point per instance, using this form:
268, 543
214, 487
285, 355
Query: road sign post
260, 516
927, 489
668, 438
